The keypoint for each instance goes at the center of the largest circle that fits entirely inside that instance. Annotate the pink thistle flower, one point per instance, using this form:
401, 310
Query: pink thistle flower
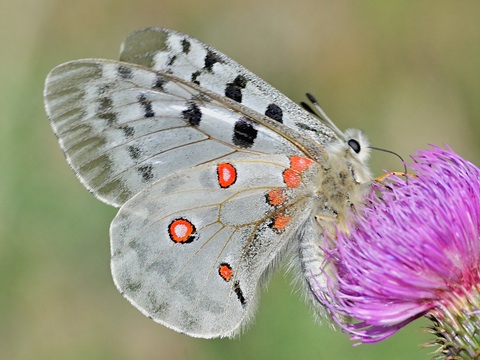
414, 250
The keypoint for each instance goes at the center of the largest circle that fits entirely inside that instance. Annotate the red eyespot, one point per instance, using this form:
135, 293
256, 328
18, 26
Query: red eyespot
227, 175
181, 231
225, 271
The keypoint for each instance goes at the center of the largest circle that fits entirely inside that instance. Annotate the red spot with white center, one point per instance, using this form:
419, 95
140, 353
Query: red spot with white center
181, 231
225, 271
227, 175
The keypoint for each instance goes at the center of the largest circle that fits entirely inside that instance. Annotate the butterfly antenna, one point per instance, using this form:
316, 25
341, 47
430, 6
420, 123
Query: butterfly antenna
309, 109
323, 115
393, 153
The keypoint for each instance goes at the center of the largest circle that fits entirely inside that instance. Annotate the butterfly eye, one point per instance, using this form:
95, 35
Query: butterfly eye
355, 145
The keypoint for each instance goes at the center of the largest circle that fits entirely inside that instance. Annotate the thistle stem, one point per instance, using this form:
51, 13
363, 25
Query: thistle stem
456, 326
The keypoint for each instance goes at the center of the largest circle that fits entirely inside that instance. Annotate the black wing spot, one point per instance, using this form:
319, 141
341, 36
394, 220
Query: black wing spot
240, 82
104, 104
244, 134
103, 89
172, 60
192, 114
160, 81
124, 72
111, 117
239, 292
134, 152
105, 112
275, 112
132, 286
210, 60
234, 89
146, 105
233, 92
195, 76
186, 46
146, 171
128, 131
305, 127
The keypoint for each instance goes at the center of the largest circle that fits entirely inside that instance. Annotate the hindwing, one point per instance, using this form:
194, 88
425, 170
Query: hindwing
192, 249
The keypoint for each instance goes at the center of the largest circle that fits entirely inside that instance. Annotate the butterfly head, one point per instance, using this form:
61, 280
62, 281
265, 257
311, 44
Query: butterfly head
353, 147
358, 152
352, 143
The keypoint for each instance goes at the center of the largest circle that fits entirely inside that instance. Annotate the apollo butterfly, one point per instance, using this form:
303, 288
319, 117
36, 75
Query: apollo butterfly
217, 175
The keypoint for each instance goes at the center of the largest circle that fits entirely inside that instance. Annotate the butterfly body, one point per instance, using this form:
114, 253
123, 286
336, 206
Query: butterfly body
216, 173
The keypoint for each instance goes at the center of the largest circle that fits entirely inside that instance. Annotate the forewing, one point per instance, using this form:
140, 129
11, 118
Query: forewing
190, 59
124, 126
191, 250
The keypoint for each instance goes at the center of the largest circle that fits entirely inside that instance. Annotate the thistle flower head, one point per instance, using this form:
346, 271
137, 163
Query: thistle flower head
413, 250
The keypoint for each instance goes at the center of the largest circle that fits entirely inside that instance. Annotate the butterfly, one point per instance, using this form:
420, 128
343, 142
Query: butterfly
218, 176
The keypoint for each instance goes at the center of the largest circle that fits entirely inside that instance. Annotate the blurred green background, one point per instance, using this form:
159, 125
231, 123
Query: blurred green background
407, 72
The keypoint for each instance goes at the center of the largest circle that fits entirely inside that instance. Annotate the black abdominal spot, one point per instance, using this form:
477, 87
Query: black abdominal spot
244, 134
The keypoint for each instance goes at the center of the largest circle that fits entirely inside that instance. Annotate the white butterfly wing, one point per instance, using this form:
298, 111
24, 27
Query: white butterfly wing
190, 59
191, 250
215, 172
123, 126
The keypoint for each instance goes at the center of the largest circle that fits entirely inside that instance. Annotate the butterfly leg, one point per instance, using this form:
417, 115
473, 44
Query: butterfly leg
326, 218
382, 178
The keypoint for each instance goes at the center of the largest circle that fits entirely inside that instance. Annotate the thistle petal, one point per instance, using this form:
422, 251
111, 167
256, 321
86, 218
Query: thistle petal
413, 249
